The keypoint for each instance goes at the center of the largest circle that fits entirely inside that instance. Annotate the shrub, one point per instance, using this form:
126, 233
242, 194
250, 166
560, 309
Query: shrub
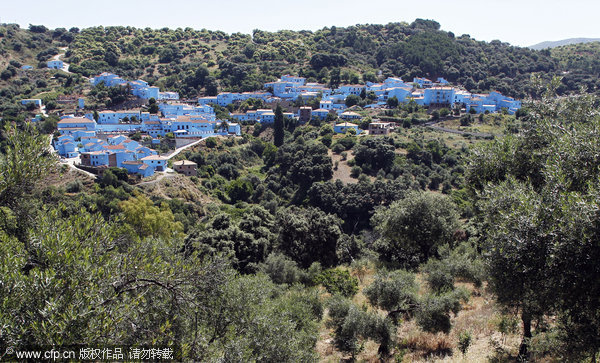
433, 314
211, 142
74, 187
464, 341
337, 148
338, 281
281, 269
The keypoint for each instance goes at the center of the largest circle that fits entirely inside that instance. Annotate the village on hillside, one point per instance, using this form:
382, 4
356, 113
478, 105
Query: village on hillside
96, 140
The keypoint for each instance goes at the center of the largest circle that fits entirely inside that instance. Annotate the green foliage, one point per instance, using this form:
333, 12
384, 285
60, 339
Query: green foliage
149, 220
352, 100
25, 160
374, 154
392, 102
338, 281
412, 229
464, 341
395, 292
354, 203
352, 326
537, 215
300, 164
433, 313
247, 243
281, 269
308, 235
211, 142
278, 132
240, 190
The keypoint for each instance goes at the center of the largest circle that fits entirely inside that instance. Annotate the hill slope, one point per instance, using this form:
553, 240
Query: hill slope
202, 62
558, 43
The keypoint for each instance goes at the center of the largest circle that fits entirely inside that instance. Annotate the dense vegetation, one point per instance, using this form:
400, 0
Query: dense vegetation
201, 61
271, 243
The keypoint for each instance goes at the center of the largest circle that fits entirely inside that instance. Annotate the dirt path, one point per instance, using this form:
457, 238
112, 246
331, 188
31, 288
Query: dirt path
433, 125
177, 151
343, 169
65, 67
159, 178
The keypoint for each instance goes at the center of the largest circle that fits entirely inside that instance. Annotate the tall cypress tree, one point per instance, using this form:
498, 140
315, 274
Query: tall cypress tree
278, 126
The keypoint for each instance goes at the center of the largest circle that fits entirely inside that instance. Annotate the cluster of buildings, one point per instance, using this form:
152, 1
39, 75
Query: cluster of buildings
226, 98
103, 143
79, 139
423, 91
139, 87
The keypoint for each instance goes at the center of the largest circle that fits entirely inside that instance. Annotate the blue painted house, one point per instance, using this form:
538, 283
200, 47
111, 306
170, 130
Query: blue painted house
55, 64
138, 167
157, 162
35, 101
72, 124
439, 96
341, 128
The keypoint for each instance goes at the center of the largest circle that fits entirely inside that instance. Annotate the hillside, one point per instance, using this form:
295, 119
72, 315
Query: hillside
192, 62
560, 43
441, 233
203, 62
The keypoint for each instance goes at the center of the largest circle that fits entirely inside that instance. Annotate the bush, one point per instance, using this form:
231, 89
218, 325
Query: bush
74, 187
427, 221
211, 142
464, 341
338, 281
351, 325
433, 314
355, 171
438, 276
240, 190
281, 269
337, 148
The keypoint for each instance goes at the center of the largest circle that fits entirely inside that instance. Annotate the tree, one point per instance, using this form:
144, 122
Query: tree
352, 325
396, 293
375, 154
352, 100
338, 281
240, 190
149, 220
363, 93
392, 102
412, 229
211, 142
308, 235
25, 161
278, 133
537, 200
152, 106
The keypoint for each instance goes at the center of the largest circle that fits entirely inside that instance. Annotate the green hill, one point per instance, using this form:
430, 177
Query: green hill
203, 62
560, 43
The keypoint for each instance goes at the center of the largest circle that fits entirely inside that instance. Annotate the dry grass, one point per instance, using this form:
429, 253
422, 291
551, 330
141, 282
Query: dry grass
427, 345
343, 169
62, 175
478, 316
178, 187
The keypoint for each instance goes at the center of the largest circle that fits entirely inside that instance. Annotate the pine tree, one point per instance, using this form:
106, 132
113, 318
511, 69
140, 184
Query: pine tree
278, 126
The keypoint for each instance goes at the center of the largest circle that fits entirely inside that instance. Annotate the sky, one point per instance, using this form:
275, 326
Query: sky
519, 22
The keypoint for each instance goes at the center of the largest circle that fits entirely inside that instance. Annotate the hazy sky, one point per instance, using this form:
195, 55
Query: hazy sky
519, 22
